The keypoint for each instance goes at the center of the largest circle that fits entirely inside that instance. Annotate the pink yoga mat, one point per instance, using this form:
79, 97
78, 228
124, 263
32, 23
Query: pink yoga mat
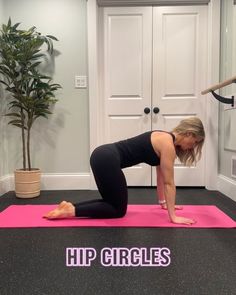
19, 216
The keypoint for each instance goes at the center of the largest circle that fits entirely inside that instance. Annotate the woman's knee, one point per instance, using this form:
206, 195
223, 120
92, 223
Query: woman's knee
95, 155
120, 212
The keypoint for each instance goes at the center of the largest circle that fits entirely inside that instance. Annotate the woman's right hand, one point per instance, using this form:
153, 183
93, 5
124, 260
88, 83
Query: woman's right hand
183, 220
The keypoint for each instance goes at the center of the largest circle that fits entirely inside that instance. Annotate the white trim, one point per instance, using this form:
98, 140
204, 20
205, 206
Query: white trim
95, 75
227, 186
212, 106
233, 160
51, 181
6, 184
93, 60
150, 2
63, 181
93, 72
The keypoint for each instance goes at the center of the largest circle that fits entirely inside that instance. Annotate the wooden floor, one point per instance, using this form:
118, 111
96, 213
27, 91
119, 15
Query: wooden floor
203, 261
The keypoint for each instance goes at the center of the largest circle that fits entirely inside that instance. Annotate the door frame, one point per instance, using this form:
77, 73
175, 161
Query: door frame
96, 106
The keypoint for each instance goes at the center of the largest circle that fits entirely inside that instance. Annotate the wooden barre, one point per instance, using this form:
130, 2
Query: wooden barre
220, 85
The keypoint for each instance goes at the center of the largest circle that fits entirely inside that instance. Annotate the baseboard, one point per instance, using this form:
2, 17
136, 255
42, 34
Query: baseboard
52, 181
227, 186
62, 181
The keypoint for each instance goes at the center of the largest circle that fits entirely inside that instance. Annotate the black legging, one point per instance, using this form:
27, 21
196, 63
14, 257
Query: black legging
111, 183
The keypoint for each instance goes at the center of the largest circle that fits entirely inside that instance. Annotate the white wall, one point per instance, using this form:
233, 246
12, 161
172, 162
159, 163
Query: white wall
227, 184
60, 144
1, 10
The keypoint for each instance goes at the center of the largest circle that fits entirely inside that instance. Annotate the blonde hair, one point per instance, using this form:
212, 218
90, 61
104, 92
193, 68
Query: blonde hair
194, 126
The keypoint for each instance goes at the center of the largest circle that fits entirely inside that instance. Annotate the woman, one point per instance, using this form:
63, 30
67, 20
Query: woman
156, 148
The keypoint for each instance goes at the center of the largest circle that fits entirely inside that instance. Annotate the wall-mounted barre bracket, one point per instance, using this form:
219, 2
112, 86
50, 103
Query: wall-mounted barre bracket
223, 99
220, 98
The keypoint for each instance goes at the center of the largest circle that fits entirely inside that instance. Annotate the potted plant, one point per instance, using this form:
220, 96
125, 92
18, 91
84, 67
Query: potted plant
31, 92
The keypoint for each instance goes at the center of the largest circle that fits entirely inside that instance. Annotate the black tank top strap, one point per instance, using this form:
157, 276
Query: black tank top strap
173, 136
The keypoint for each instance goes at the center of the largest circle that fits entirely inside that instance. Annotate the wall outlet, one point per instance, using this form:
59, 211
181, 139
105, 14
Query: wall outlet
80, 81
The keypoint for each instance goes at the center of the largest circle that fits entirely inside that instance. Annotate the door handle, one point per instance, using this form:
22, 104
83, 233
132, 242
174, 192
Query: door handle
156, 110
147, 110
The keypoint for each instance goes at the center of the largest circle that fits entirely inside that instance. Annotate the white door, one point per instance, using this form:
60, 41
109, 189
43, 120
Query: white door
153, 57
127, 89
179, 74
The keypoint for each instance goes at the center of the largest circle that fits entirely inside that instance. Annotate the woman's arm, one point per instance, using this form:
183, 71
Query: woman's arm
160, 191
160, 186
167, 156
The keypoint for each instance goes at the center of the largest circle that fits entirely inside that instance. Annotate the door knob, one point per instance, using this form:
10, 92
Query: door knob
156, 110
147, 110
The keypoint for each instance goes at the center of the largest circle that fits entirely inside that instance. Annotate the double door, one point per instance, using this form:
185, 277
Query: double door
154, 67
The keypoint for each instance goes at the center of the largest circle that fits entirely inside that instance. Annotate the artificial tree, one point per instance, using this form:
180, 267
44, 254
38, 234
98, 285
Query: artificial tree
31, 91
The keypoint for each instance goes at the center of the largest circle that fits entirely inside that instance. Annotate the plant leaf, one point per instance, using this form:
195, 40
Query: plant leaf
52, 37
3, 82
15, 26
20, 126
13, 115
15, 121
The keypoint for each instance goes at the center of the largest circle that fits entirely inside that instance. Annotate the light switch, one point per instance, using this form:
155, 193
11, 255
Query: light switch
80, 81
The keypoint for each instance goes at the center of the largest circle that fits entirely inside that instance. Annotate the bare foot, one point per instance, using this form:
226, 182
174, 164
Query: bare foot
64, 210
177, 207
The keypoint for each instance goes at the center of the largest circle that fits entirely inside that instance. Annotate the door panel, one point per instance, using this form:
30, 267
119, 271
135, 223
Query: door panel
128, 60
179, 69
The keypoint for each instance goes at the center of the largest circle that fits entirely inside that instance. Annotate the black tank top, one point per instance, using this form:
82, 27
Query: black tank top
138, 150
